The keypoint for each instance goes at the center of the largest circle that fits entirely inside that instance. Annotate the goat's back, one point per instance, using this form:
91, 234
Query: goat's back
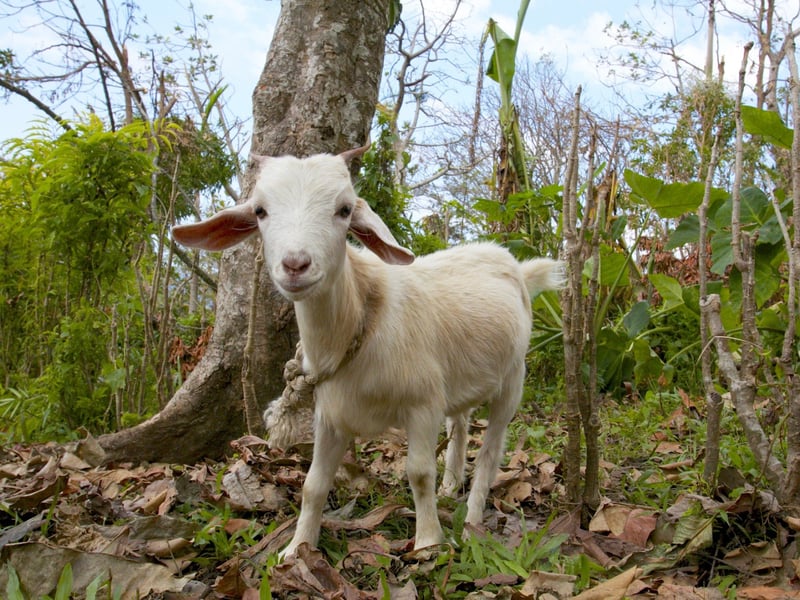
451, 328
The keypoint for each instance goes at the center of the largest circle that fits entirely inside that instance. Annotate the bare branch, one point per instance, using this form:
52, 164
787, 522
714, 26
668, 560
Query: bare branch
23, 93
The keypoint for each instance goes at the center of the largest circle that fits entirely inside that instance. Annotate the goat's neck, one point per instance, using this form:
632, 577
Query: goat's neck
332, 323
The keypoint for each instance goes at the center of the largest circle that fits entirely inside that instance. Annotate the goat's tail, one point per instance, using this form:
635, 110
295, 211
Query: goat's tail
542, 274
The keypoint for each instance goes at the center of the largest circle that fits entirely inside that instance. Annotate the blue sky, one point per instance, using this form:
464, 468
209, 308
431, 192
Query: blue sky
571, 32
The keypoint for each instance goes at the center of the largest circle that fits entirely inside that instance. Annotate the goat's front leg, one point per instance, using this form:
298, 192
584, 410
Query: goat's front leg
421, 468
329, 448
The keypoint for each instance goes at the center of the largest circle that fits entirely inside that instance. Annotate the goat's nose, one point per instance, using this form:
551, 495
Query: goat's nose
296, 263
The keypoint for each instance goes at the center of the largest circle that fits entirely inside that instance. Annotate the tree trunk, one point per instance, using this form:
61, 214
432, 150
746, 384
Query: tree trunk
317, 93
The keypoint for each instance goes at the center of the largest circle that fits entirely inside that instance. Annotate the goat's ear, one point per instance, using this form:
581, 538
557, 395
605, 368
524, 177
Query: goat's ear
375, 235
349, 155
225, 229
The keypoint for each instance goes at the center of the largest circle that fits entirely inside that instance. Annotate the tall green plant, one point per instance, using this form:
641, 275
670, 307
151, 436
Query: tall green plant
378, 185
74, 213
501, 68
748, 300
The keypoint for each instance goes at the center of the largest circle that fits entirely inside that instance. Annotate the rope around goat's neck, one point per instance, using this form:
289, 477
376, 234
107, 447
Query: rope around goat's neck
300, 385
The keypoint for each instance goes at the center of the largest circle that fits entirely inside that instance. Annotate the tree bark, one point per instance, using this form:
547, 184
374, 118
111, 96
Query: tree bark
317, 93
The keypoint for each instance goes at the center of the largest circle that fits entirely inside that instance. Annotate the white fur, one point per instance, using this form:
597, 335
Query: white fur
443, 335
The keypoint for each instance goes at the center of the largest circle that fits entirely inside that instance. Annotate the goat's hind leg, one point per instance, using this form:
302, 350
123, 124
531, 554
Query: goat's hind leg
501, 411
329, 449
456, 456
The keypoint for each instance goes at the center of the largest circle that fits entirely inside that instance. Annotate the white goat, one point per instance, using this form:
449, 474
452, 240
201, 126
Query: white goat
390, 345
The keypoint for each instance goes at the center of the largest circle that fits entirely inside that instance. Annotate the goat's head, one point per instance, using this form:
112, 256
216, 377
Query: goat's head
303, 209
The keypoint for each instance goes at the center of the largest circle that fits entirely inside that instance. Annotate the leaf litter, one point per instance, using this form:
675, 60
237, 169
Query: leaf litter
212, 530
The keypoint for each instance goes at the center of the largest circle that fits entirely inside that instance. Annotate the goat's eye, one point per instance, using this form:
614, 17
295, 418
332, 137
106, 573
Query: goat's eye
260, 212
344, 211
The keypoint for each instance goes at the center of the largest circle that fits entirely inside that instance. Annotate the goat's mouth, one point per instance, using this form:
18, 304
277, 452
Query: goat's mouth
295, 289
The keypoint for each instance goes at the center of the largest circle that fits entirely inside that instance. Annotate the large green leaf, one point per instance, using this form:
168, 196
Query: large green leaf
613, 265
767, 124
669, 200
637, 319
756, 214
648, 364
687, 232
642, 186
668, 288
502, 61
721, 252
769, 260
756, 208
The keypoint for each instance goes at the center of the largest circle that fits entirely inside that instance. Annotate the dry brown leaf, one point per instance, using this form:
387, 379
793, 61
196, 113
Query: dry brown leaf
73, 462
546, 481
13, 470
17, 532
234, 582
614, 589
506, 476
610, 518
539, 582
251, 594
668, 448
793, 523
109, 482
766, 593
247, 490
638, 527
37, 492
517, 492
269, 544
687, 592
166, 548
518, 460
759, 556
308, 572
234, 524
89, 450
675, 466
368, 522
39, 567
591, 547
407, 592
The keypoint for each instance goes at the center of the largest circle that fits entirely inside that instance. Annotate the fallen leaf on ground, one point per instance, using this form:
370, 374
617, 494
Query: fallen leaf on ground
615, 588
39, 567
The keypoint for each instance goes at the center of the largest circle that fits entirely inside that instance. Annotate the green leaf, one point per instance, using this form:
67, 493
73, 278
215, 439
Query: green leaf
695, 531
501, 66
756, 208
612, 265
769, 260
721, 252
767, 124
642, 186
492, 209
13, 590
669, 200
668, 288
64, 587
756, 213
637, 319
648, 364
94, 586
687, 232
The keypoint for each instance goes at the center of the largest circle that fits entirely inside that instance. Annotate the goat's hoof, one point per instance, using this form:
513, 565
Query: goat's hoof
428, 540
449, 491
290, 551
471, 530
